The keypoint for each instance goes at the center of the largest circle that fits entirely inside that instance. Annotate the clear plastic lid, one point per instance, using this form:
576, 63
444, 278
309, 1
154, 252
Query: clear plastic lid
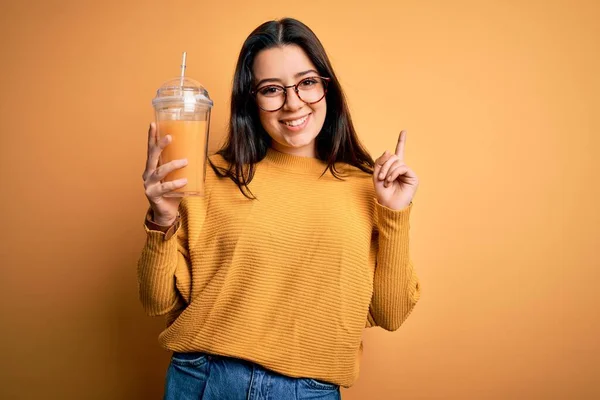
186, 91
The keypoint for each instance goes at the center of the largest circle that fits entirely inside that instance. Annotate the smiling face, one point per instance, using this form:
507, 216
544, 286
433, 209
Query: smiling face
295, 126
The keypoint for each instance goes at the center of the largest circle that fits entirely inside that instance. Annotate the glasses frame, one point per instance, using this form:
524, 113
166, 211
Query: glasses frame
326, 80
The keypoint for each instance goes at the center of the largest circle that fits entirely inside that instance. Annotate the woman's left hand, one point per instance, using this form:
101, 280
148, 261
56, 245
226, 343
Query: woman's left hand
395, 183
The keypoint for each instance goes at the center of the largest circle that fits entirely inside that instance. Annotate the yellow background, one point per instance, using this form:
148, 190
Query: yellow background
501, 103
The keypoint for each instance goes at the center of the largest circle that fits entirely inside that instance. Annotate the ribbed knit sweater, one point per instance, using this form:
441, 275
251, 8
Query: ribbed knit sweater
287, 281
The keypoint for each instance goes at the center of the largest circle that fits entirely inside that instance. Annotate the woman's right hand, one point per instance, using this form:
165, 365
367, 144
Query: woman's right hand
164, 208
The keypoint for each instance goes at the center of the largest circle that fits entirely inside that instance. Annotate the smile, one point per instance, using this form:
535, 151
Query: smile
297, 123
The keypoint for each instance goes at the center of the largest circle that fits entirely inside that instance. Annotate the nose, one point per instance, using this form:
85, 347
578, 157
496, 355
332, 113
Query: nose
292, 100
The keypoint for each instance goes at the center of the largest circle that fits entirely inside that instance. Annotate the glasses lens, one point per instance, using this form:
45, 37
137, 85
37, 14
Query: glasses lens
311, 89
270, 97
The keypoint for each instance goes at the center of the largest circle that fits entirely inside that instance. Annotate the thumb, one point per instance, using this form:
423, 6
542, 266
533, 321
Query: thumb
380, 161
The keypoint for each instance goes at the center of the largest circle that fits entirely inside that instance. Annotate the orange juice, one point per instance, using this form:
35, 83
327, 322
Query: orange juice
188, 140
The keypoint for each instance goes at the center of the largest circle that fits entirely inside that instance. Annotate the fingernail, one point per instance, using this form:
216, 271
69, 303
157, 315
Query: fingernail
380, 176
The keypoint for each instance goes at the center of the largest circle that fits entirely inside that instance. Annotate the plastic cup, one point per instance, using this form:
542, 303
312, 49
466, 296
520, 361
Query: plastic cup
182, 107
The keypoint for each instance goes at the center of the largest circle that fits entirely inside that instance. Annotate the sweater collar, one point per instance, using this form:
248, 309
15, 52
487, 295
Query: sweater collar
294, 163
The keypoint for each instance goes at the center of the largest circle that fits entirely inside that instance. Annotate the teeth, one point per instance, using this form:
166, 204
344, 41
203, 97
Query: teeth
296, 122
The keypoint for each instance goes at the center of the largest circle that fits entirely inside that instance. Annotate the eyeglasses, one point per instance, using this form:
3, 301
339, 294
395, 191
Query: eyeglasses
310, 90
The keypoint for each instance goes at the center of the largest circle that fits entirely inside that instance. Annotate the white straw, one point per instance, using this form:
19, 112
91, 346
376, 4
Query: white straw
183, 68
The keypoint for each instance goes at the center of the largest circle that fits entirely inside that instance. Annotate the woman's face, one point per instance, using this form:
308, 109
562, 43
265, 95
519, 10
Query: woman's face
284, 66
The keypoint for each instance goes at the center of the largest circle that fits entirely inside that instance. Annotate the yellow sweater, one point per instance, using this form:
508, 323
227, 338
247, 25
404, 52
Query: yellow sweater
287, 281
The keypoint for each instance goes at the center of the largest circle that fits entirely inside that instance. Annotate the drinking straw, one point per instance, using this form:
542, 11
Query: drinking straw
183, 68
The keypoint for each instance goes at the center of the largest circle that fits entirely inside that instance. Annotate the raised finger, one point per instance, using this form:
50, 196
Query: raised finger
401, 145
386, 167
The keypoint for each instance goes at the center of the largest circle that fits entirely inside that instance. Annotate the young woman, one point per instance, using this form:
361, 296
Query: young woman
300, 241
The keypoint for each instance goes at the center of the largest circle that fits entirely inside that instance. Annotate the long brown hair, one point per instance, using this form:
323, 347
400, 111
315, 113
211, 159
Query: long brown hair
247, 141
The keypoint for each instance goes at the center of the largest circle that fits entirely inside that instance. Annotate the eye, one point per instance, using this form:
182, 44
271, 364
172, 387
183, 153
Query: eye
309, 82
270, 91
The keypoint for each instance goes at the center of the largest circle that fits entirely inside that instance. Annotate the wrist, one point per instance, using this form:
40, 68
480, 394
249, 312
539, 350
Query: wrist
161, 220
395, 206
164, 222
161, 224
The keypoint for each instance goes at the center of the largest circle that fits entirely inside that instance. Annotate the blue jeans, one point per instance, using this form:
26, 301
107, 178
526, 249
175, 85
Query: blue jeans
202, 376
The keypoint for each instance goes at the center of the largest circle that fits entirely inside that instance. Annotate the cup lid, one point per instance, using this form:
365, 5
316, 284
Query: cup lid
187, 90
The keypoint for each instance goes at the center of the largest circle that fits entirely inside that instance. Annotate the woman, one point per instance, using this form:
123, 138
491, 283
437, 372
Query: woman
299, 243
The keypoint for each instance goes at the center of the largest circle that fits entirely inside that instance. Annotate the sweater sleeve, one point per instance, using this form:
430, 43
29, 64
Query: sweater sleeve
163, 269
164, 266
396, 287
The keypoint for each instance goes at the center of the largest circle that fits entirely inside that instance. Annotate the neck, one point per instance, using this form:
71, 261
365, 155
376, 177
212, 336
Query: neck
306, 151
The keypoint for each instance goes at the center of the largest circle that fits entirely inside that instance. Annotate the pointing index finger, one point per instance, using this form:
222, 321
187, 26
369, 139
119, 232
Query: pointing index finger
401, 145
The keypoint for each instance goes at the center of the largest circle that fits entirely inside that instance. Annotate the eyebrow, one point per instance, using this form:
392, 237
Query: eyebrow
298, 75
